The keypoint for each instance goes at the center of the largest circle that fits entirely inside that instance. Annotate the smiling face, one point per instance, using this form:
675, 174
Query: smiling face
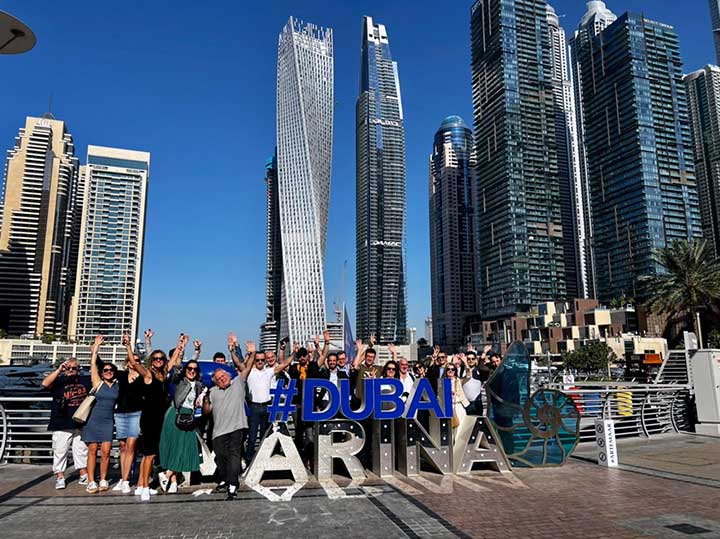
442, 359
403, 366
221, 378
370, 358
108, 372
259, 361
332, 362
450, 371
191, 370
270, 359
342, 360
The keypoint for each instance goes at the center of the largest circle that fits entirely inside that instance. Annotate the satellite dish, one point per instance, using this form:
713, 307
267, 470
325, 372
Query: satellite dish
15, 36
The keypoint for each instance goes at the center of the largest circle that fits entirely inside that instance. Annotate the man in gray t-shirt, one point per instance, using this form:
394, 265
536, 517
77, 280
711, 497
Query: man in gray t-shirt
226, 402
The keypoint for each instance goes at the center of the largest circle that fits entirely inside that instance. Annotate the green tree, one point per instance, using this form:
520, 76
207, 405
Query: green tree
713, 340
690, 281
593, 357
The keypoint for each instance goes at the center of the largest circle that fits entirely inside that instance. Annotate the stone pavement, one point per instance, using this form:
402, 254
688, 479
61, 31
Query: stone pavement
579, 500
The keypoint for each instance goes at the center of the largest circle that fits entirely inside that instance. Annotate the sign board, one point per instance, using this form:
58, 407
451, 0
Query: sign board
605, 440
568, 381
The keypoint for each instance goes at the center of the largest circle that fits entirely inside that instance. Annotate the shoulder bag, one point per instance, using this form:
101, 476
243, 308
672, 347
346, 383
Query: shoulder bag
82, 413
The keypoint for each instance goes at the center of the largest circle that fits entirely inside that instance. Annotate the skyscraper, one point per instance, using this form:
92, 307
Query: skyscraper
304, 158
520, 235
107, 289
380, 200
270, 329
38, 220
637, 137
703, 87
596, 19
715, 20
452, 238
573, 222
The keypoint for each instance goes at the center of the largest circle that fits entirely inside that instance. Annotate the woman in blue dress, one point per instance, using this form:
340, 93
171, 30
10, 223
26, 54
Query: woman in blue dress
98, 430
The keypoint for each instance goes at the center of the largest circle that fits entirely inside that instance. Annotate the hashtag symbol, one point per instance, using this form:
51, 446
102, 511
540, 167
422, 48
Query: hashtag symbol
282, 402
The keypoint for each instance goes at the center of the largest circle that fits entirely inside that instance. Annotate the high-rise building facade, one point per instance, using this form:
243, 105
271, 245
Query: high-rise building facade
703, 88
520, 235
637, 138
596, 19
270, 329
304, 159
715, 20
573, 221
109, 270
452, 238
380, 197
38, 229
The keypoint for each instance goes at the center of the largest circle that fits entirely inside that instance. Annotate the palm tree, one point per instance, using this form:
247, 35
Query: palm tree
690, 282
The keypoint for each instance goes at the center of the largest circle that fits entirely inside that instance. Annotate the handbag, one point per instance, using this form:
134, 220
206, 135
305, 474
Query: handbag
82, 413
207, 465
185, 420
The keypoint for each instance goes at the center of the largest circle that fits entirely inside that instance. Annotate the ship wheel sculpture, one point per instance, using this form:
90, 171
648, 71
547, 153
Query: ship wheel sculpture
538, 429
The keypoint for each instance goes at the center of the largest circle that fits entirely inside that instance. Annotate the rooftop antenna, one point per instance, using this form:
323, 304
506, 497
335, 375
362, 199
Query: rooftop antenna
339, 303
48, 115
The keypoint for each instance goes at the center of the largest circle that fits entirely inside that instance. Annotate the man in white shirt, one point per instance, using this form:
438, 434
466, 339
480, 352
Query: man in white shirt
406, 377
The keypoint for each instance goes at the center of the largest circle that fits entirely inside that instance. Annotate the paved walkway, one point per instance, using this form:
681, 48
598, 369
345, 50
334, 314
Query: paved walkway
673, 497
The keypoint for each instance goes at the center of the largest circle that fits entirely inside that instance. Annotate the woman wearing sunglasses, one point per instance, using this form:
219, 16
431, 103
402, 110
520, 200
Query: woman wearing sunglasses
458, 395
178, 442
98, 430
154, 407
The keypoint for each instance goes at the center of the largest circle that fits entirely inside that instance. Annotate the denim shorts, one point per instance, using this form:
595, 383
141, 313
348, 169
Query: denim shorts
127, 425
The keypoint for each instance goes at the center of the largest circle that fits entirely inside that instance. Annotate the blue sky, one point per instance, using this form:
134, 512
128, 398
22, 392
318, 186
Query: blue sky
194, 84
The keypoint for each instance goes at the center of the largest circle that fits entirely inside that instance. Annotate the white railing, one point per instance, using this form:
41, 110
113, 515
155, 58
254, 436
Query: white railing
25, 437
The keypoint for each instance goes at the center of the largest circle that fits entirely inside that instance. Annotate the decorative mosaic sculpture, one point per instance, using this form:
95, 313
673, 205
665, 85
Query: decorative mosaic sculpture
538, 429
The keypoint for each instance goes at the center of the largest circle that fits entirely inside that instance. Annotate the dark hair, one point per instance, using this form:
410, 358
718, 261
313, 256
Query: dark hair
104, 364
417, 366
332, 354
397, 369
302, 352
219, 355
494, 354
371, 351
198, 373
449, 367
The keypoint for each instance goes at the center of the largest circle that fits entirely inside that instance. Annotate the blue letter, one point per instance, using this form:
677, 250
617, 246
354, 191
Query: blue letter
366, 410
388, 392
417, 403
308, 413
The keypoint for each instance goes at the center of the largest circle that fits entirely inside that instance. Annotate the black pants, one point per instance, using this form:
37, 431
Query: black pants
228, 452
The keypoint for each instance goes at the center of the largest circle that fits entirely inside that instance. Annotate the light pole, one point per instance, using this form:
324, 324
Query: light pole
15, 36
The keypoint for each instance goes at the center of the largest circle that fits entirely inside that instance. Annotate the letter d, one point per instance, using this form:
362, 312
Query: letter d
308, 412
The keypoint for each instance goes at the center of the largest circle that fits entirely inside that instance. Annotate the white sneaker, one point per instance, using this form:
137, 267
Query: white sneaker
126, 487
163, 481
92, 487
59, 483
103, 485
83, 480
118, 486
152, 491
186, 480
173, 488
145, 496
138, 491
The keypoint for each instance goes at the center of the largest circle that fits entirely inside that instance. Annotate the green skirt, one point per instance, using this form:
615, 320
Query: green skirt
179, 450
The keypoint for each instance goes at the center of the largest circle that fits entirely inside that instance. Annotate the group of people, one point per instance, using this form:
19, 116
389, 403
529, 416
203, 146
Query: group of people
159, 407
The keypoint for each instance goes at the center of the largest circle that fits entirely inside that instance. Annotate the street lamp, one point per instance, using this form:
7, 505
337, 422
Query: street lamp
15, 36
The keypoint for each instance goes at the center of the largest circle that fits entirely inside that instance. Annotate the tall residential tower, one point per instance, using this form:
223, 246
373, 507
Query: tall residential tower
637, 138
107, 288
596, 19
304, 159
452, 238
270, 328
380, 198
520, 232
715, 20
703, 88
38, 229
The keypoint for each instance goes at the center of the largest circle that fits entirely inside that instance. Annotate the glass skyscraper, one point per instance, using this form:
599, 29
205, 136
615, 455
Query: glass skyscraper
380, 202
715, 20
304, 160
39, 229
520, 232
637, 139
109, 271
596, 19
452, 238
270, 329
703, 88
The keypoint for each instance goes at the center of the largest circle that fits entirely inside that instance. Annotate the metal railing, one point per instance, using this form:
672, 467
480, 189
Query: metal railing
636, 409
25, 437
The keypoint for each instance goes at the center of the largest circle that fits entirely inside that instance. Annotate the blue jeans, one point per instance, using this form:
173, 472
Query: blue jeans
258, 421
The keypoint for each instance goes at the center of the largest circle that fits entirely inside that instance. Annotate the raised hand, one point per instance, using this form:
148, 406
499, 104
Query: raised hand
197, 344
316, 342
149, 334
326, 336
392, 349
182, 341
126, 339
232, 341
99, 340
296, 347
372, 340
250, 347
486, 349
358, 344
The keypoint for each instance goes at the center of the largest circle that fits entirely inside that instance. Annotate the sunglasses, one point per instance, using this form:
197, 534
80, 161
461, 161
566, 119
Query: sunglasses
158, 358
390, 369
190, 369
108, 370
451, 370
71, 368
